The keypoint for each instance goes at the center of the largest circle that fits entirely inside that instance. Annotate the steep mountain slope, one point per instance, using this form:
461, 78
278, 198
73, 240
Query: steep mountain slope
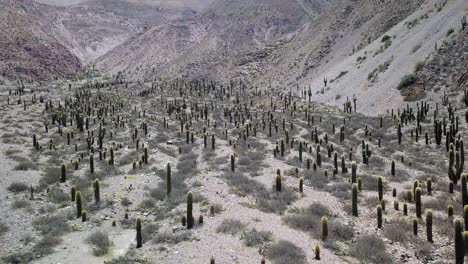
209, 42
362, 47
28, 48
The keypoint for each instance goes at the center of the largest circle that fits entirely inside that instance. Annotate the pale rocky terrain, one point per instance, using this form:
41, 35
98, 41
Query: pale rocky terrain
108, 93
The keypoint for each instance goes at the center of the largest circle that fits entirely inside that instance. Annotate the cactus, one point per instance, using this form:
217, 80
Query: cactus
73, 193
317, 251
189, 210
353, 172
282, 147
355, 199
399, 134
450, 210
392, 170
278, 181
146, 155
380, 187
212, 260
324, 221
213, 141
200, 220
379, 216
168, 179
97, 195
212, 210
183, 220
396, 205
300, 151
301, 185
232, 163
465, 216
451, 187
464, 193
139, 237
63, 178
78, 204
84, 214
415, 226
417, 200
429, 225
91, 163
459, 243
456, 161
405, 209
429, 186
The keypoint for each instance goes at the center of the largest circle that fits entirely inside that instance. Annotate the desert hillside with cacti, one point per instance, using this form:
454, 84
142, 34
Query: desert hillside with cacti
215, 131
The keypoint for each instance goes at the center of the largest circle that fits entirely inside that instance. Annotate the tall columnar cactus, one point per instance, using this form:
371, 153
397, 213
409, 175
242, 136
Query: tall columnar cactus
146, 155
301, 185
317, 251
355, 199
139, 237
190, 218
282, 147
353, 172
464, 193
168, 179
459, 243
429, 225
300, 151
450, 211
78, 204
91, 163
399, 134
278, 181
429, 185
213, 141
111, 160
379, 216
415, 226
392, 170
63, 178
380, 188
324, 221
456, 161
417, 200
232, 163
97, 194
73, 193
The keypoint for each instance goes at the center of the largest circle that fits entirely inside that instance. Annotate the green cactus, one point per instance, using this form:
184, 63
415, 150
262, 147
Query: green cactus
379, 216
353, 172
232, 163
355, 199
429, 186
405, 209
73, 193
190, 210
464, 193
91, 163
324, 221
78, 204
380, 188
168, 179
459, 243
415, 226
97, 195
392, 170
278, 181
84, 214
301, 185
317, 251
418, 202
450, 210
63, 178
139, 237
429, 225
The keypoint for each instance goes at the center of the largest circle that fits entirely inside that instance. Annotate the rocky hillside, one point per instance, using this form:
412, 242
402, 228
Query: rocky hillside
46, 39
28, 49
361, 47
